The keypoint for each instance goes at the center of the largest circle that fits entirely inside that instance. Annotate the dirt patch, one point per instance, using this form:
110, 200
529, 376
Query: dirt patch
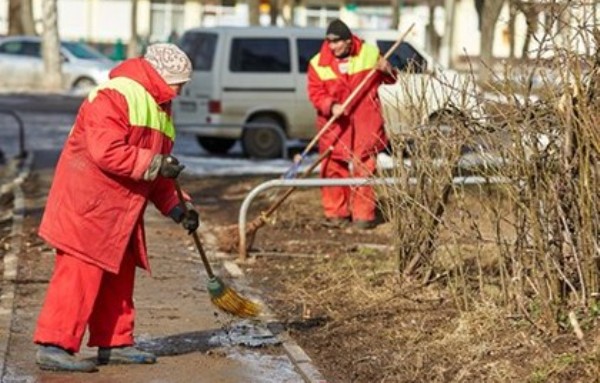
338, 293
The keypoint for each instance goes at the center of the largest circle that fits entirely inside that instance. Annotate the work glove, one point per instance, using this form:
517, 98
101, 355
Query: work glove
189, 219
170, 167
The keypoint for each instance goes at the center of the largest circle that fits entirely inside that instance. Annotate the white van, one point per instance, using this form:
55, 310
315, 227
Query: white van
249, 84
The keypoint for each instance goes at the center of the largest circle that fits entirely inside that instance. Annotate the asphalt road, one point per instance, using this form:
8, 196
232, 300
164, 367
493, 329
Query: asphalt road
40, 103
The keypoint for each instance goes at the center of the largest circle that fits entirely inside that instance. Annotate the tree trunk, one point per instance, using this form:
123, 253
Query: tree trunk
395, 4
531, 16
20, 18
434, 40
512, 14
51, 46
447, 42
27, 17
132, 47
274, 12
253, 12
489, 15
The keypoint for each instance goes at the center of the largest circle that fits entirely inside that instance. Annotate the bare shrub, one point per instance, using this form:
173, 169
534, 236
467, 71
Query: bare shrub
529, 239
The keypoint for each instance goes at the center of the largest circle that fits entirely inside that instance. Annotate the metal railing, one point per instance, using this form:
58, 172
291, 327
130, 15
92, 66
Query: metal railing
21, 127
320, 182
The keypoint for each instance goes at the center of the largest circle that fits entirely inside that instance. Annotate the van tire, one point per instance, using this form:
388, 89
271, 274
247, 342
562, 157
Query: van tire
215, 145
263, 143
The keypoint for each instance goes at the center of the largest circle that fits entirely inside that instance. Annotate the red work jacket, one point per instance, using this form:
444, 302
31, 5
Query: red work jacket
360, 131
98, 196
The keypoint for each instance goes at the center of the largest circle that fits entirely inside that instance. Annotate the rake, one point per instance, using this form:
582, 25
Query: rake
262, 219
231, 240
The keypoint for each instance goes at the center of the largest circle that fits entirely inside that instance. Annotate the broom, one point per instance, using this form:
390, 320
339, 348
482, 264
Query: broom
261, 220
221, 295
291, 172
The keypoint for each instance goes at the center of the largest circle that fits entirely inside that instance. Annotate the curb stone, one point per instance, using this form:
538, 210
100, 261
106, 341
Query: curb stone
295, 353
11, 260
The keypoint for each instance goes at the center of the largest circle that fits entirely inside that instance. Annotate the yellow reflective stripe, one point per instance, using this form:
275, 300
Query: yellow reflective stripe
324, 72
143, 109
366, 60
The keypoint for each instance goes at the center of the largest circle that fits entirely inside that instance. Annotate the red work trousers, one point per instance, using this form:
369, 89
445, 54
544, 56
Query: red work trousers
358, 203
82, 295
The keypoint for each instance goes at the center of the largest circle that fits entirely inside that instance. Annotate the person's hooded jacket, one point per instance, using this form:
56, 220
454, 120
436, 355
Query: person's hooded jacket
360, 131
100, 190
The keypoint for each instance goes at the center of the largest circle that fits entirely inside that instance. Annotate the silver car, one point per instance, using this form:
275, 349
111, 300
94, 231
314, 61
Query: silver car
22, 66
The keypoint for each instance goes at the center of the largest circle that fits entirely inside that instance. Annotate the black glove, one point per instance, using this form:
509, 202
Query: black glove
170, 167
190, 221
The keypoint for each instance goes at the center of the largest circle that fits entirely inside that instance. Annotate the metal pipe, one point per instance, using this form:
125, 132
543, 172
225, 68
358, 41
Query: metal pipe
320, 182
21, 128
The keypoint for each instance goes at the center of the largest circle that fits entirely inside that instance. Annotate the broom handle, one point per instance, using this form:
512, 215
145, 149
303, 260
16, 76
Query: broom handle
199, 247
306, 173
352, 95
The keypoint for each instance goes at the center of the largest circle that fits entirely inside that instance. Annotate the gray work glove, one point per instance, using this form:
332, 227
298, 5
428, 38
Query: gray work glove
170, 167
190, 219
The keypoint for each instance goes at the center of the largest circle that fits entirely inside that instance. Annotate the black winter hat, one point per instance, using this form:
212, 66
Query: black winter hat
337, 28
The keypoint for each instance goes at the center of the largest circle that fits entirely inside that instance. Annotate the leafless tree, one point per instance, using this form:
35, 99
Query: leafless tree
274, 11
51, 46
434, 40
490, 11
395, 4
253, 12
132, 47
531, 12
20, 17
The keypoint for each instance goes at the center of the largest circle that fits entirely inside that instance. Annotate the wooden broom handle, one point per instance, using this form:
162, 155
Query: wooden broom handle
199, 247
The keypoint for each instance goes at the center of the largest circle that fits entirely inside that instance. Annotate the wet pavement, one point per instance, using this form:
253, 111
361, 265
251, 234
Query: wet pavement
175, 318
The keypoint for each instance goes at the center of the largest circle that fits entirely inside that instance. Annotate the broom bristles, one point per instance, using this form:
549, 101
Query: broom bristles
229, 238
230, 301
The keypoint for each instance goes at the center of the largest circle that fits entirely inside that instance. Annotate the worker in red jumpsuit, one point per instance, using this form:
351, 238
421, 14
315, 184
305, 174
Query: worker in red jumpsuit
357, 134
115, 160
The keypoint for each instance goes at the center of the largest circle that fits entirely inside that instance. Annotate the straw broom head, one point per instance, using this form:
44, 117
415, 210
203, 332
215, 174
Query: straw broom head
230, 301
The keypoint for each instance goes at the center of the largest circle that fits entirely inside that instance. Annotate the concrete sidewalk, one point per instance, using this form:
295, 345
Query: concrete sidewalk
175, 318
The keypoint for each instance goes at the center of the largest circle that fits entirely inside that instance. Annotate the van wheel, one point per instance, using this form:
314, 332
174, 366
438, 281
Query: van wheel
215, 145
263, 138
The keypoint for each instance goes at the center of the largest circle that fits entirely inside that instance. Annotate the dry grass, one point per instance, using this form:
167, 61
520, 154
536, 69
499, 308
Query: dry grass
481, 281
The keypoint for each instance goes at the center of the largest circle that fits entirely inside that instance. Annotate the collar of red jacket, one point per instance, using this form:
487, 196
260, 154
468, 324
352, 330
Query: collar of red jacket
142, 72
327, 57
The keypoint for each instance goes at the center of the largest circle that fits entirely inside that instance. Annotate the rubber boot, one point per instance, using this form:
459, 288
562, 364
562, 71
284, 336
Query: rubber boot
54, 358
124, 355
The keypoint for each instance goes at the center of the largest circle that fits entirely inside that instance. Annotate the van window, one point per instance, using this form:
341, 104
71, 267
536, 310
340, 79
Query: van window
260, 55
307, 48
200, 47
405, 57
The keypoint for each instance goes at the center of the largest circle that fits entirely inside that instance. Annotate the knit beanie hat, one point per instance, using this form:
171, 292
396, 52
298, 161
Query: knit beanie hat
337, 29
171, 63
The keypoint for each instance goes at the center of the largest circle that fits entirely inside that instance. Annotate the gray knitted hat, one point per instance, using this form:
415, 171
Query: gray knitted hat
171, 63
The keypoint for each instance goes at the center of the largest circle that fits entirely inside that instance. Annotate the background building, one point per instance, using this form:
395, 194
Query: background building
108, 22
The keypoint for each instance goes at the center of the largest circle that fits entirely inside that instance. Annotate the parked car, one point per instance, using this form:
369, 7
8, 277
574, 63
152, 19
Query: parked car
22, 66
249, 84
